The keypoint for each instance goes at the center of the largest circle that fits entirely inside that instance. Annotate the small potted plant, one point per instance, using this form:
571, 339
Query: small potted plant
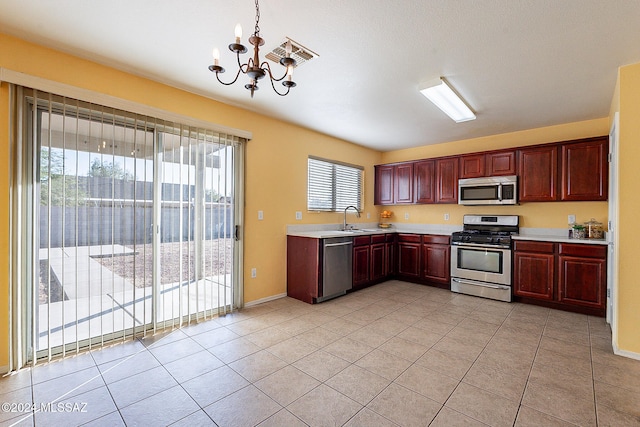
579, 231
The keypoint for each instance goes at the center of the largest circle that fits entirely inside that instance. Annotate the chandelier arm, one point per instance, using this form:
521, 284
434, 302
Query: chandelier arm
230, 83
240, 65
265, 65
276, 90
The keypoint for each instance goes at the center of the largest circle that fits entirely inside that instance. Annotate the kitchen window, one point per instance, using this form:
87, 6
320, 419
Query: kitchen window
332, 186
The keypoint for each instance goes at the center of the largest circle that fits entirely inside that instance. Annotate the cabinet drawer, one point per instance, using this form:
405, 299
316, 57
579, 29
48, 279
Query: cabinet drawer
531, 246
378, 238
583, 250
361, 240
411, 238
430, 238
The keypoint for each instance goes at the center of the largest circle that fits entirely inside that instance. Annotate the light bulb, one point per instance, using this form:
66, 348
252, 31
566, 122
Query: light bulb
216, 56
238, 33
288, 48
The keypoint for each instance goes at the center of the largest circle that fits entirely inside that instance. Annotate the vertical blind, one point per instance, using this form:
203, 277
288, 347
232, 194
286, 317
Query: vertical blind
129, 223
332, 186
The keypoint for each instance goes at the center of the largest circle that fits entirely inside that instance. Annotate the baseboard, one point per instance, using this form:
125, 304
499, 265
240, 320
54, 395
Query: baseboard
4, 370
267, 299
625, 353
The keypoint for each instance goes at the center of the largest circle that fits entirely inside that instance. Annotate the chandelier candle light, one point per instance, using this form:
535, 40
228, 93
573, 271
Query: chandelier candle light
253, 67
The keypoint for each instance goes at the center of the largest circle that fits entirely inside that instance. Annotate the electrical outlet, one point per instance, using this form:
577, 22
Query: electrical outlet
368, 215
298, 215
406, 215
446, 217
571, 219
254, 273
260, 215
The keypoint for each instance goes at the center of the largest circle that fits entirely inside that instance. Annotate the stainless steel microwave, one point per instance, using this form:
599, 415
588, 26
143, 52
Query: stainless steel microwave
495, 190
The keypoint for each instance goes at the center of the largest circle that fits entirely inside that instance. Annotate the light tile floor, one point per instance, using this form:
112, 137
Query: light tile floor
393, 354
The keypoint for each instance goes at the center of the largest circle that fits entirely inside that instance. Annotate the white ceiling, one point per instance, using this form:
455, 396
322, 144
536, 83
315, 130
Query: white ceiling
520, 64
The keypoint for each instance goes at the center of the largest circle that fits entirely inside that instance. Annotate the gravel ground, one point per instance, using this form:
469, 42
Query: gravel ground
138, 268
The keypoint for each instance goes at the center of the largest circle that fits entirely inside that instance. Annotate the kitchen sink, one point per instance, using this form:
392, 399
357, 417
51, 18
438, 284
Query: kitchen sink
362, 230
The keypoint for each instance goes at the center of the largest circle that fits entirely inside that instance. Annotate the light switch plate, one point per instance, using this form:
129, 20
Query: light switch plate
571, 219
254, 273
368, 215
298, 215
260, 215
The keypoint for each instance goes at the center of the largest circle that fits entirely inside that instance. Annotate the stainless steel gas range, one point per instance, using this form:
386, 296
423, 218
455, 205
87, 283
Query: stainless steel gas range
481, 256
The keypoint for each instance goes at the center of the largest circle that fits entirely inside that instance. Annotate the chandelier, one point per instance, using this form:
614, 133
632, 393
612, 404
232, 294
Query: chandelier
253, 67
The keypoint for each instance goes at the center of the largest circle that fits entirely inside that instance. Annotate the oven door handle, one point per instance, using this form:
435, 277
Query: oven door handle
482, 246
468, 282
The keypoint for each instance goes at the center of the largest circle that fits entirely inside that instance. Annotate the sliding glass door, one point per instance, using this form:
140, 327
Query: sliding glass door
132, 224
196, 217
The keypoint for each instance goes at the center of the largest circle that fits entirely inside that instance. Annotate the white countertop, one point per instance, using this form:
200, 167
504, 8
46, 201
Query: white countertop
325, 231
558, 239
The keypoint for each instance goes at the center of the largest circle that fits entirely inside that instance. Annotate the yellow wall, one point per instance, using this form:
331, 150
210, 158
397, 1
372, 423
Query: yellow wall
628, 244
538, 215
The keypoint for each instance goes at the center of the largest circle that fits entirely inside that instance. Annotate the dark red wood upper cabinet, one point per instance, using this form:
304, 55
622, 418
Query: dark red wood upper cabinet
538, 168
447, 180
424, 178
501, 163
472, 166
403, 191
383, 186
585, 170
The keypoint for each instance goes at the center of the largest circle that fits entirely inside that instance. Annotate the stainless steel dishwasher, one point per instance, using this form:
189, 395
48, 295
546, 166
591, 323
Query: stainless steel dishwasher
337, 261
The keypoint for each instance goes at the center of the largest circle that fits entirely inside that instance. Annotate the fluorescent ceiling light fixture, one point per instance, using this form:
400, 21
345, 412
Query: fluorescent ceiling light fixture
441, 94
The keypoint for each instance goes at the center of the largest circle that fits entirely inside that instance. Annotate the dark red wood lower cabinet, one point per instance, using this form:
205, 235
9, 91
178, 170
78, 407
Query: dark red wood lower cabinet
582, 281
568, 276
409, 260
361, 261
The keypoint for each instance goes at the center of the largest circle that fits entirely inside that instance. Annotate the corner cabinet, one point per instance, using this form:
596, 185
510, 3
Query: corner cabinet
384, 185
567, 276
394, 184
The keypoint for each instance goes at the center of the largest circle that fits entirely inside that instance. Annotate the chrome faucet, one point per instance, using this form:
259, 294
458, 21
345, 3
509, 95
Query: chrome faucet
344, 223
